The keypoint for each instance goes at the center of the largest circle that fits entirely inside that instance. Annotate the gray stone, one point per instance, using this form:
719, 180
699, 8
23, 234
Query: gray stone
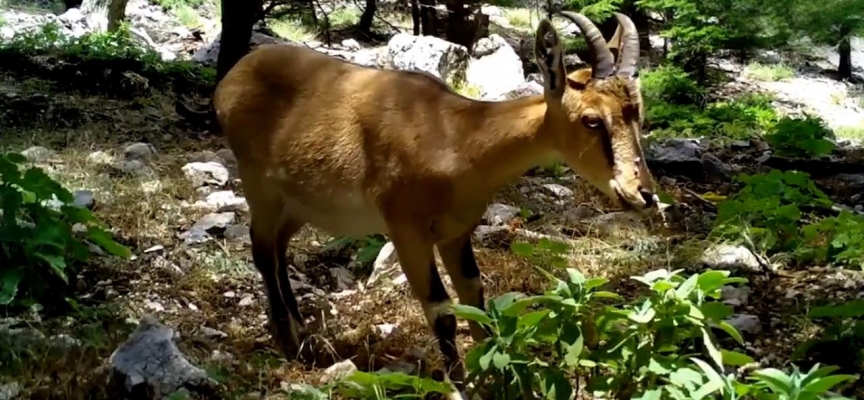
149, 364
725, 256
715, 170
559, 191
206, 173
132, 168
37, 153
484, 232
438, 57
499, 214
344, 278
338, 371
498, 71
100, 157
84, 198
195, 236
226, 200
734, 296
237, 232
853, 182
215, 222
10, 391
351, 44
675, 151
745, 323
143, 152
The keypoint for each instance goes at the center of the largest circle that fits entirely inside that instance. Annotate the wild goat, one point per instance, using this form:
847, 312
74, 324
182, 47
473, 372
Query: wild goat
356, 150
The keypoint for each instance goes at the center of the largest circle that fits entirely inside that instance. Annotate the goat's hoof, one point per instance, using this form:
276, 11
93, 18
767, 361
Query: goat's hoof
286, 335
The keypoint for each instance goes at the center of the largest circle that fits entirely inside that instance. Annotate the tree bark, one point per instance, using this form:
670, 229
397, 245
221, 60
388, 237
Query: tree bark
365, 25
238, 17
427, 16
459, 29
844, 49
104, 14
415, 16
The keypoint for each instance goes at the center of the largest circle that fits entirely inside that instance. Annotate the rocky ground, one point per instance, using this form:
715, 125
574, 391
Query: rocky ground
172, 196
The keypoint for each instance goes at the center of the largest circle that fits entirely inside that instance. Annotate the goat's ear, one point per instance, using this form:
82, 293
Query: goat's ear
547, 49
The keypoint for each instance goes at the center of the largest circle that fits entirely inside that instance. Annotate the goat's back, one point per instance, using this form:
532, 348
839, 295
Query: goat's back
332, 136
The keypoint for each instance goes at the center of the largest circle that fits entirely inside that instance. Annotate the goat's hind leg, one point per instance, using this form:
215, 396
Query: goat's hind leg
269, 243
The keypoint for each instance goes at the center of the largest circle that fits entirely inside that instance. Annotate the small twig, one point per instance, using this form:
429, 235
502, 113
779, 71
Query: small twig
699, 197
326, 23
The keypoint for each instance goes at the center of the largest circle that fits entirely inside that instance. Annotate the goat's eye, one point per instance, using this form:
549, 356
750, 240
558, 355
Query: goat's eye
592, 121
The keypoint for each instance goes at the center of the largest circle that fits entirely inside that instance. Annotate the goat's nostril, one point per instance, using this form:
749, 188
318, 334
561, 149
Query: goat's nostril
648, 196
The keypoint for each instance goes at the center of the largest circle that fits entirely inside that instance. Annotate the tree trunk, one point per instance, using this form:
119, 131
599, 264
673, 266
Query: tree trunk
458, 28
104, 14
238, 17
365, 25
427, 16
415, 16
844, 49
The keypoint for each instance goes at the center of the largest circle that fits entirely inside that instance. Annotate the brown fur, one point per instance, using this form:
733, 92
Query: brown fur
355, 150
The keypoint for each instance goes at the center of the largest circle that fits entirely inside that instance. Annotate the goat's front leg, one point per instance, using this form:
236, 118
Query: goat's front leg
416, 256
458, 257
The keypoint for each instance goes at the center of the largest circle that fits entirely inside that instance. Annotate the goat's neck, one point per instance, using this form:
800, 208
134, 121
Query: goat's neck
512, 140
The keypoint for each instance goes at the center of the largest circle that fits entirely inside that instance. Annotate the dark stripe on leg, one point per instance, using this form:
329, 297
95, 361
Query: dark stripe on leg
283, 326
285, 283
471, 271
444, 324
467, 261
437, 292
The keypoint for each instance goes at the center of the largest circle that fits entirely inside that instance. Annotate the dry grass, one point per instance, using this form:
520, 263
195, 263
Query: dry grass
195, 288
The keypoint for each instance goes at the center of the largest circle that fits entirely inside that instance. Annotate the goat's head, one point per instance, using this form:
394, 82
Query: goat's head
595, 114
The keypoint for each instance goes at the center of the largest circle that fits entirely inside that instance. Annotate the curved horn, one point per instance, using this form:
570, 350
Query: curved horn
628, 53
604, 62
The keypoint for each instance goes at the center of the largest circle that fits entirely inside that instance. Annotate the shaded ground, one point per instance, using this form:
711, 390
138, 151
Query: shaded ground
211, 294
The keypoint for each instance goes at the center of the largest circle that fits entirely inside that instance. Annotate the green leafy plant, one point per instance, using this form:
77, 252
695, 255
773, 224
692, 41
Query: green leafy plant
41, 244
381, 385
841, 338
743, 117
815, 384
653, 347
766, 212
117, 46
546, 252
780, 212
367, 247
837, 239
801, 137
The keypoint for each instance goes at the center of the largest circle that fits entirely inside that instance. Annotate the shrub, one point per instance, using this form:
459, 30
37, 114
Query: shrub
767, 214
766, 211
670, 84
741, 118
116, 47
801, 137
41, 244
577, 336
